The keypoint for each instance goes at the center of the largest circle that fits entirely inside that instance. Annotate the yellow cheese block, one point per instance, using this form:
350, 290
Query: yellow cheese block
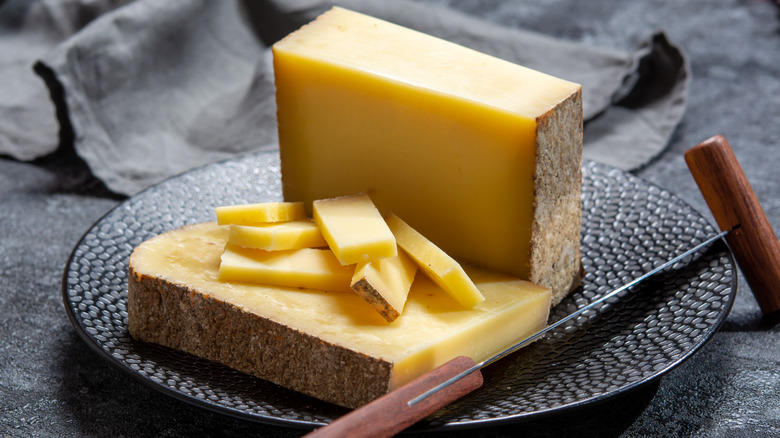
439, 266
306, 268
252, 214
480, 155
278, 235
354, 229
326, 344
385, 283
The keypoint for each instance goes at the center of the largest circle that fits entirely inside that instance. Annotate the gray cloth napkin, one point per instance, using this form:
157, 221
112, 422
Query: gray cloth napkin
153, 88
28, 30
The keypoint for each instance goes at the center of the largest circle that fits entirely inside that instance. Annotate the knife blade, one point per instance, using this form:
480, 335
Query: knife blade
742, 221
403, 407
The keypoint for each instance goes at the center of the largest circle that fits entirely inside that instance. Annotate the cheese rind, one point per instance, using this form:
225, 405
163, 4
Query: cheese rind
354, 229
440, 267
309, 268
481, 156
252, 214
332, 346
385, 283
278, 236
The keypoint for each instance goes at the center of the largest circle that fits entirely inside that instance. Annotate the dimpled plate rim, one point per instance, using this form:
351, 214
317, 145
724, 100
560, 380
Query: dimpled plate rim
629, 226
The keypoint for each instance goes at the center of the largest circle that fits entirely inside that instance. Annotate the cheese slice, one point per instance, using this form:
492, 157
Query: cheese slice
326, 344
480, 155
278, 235
354, 229
385, 283
252, 214
306, 268
439, 266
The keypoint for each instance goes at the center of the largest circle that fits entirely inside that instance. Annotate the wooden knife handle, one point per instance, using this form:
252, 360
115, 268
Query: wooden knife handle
732, 202
390, 414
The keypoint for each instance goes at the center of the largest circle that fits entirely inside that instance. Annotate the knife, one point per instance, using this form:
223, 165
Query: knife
742, 222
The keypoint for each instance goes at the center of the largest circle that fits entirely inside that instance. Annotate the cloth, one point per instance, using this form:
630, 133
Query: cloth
148, 89
28, 30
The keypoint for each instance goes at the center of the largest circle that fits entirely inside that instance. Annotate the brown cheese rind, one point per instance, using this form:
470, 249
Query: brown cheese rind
372, 296
555, 242
186, 319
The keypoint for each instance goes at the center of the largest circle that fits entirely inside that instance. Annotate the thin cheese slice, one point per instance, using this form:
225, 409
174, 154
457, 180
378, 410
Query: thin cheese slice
278, 236
305, 268
354, 229
480, 155
329, 345
439, 266
252, 214
385, 283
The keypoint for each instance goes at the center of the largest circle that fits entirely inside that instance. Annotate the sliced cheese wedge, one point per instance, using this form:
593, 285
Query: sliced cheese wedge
385, 283
252, 214
278, 236
329, 345
310, 268
354, 229
439, 266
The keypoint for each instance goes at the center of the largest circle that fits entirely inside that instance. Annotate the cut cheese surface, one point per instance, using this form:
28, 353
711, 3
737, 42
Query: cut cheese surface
305, 268
432, 330
252, 214
354, 229
278, 236
439, 266
480, 155
385, 283
367, 45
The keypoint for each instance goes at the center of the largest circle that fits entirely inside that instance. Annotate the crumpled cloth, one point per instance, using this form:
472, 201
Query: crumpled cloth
147, 89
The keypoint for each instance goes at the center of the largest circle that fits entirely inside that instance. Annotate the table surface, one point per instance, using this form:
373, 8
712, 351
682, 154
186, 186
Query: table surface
52, 384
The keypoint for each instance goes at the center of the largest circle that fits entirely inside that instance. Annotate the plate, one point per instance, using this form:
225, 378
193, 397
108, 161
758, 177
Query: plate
629, 226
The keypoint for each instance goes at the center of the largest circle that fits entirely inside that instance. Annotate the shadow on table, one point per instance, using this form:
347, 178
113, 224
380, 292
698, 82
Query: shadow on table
71, 174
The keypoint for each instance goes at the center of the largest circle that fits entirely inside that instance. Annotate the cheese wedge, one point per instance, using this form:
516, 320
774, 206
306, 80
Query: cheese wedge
439, 266
307, 268
481, 156
252, 214
385, 283
329, 345
278, 236
354, 229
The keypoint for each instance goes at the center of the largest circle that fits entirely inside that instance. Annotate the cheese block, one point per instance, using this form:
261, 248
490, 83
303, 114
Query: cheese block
385, 283
354, 229
307, 268
278, 235
252, 214
480, 155
329, 345
440, 267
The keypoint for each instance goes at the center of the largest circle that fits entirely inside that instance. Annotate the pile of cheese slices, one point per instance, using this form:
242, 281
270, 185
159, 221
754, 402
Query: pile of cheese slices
347, 246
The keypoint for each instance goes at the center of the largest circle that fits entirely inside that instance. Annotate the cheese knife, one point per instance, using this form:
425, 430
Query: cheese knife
742, 222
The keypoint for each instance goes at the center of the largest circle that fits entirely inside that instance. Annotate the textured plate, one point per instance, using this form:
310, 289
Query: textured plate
629, 226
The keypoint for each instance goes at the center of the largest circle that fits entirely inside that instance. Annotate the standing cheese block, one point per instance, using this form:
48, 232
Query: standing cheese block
481, 156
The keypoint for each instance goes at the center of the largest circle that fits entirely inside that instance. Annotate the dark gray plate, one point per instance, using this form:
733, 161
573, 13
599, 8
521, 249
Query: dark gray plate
629, 226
